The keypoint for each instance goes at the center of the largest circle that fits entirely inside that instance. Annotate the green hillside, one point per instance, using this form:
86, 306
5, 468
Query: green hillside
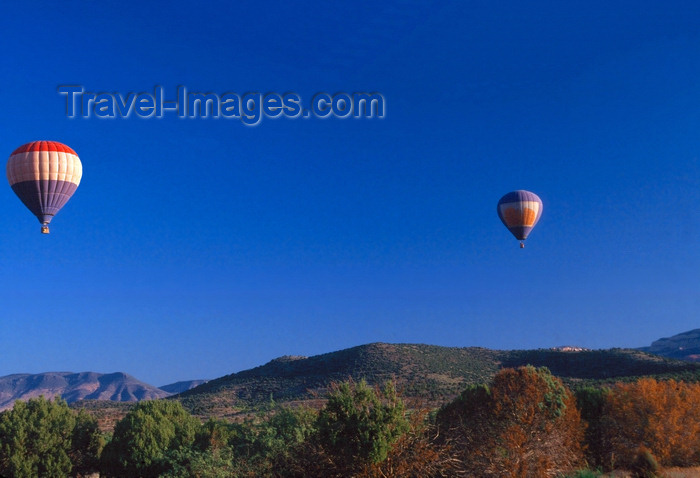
426, 373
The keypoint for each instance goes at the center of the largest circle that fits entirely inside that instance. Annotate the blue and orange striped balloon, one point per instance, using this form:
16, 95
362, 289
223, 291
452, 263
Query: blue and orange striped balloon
519, 211
44, 175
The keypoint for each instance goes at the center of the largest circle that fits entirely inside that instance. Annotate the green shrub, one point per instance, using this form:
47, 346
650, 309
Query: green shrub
148, 440
359, 424
36, 439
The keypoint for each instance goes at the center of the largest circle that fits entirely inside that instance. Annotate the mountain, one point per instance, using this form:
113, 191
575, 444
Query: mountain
179, 387
76, 386
428, 373
684, 346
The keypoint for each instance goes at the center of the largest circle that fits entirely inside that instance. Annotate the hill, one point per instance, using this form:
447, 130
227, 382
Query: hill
422, 370
179, 387
684, 346
72, 387
428, 373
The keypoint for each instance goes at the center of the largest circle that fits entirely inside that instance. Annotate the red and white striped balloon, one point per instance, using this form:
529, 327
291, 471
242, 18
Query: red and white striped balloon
44, 175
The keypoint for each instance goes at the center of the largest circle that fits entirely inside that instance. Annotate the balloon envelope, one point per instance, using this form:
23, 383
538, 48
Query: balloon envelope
44, 175
519, 211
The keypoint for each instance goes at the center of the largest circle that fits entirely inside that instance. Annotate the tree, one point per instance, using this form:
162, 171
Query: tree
282, 438
591, 402
457, 420
660, 416
210, 463
415, 453
149, 439
36, 439
214, 435
525, 424
358, 425
87, 443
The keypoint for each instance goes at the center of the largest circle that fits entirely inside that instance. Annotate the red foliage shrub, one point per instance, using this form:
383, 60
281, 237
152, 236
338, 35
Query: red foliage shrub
663, 417
525, 425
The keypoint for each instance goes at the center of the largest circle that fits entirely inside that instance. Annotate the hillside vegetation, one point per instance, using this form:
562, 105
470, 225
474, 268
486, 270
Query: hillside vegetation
523, 422
427, 374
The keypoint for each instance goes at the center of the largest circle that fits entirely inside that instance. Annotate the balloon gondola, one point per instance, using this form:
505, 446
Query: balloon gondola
519, 211
44, 175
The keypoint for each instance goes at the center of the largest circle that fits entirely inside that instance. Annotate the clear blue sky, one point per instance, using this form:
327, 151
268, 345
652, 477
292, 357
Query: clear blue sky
195, 248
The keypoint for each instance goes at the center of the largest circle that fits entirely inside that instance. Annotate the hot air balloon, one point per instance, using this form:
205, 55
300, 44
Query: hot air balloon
44, 175
519, 211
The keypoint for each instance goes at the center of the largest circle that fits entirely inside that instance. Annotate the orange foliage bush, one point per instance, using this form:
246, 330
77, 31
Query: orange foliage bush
661, 416
525, 425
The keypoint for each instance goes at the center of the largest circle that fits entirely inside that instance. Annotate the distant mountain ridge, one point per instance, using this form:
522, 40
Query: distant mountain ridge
179, 387
72, 387
683, 346
430, 373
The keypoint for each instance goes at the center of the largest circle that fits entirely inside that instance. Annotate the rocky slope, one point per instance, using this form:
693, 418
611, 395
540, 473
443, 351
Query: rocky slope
76, 386
684, 346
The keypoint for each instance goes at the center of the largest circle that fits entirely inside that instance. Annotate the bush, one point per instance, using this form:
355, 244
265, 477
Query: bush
591, 402
358, 425
663, 417
525, 424
584, 474
645, 465
415, 453
149, 439
37, 439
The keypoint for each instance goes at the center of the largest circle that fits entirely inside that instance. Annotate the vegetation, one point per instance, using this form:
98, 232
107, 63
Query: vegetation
148, 439
358, 425
661, 419
46, 438
519, 421
428, 373
525, 424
